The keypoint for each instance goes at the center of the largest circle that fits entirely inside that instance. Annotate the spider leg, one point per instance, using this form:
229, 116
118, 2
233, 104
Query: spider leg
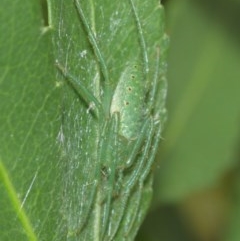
83, 92
145, 173
155, 144
141, 38
133, 212
151, 103
138, 144
143, 197
96, 183
146, 135
113, 158
97, 51
92, 40
142, 159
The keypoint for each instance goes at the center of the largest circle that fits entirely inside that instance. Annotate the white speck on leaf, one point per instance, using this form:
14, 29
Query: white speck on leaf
83, 53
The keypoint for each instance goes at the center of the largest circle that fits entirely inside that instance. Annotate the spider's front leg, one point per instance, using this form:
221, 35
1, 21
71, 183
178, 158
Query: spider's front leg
93, 104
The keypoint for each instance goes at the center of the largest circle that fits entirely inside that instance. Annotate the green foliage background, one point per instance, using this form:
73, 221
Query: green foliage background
197, 194
197, 179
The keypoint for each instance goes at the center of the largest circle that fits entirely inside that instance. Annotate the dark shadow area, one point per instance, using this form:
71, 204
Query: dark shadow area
165, 223
44, 12
226, 13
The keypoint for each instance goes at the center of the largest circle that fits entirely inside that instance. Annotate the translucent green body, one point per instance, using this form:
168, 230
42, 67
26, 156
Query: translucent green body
128, 100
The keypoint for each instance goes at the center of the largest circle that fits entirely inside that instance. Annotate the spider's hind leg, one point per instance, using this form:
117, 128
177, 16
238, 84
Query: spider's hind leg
109, 159
139, 156
146, 169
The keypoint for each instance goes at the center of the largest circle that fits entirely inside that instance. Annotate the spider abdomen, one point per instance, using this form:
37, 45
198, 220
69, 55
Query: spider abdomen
128, 100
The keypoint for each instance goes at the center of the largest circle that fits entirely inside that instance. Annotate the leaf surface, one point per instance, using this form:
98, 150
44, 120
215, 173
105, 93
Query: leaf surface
29, 124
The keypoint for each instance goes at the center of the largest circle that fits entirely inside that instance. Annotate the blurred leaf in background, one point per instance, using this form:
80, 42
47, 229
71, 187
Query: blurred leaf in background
199, 155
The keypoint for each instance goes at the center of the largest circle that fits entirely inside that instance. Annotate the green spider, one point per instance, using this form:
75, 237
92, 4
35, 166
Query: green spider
129, 116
